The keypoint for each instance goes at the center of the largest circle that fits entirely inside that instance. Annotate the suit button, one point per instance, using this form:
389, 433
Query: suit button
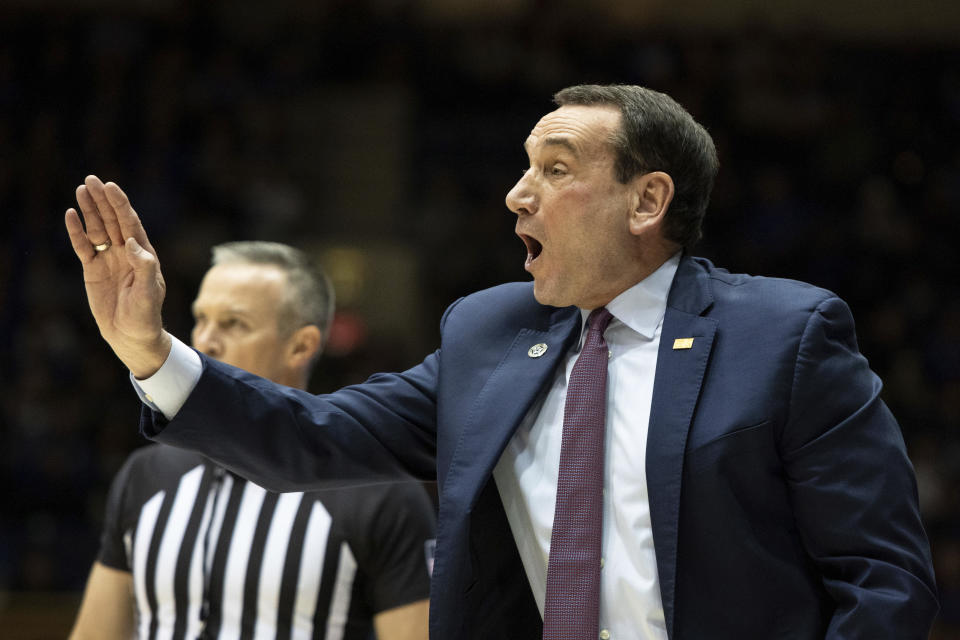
604, 634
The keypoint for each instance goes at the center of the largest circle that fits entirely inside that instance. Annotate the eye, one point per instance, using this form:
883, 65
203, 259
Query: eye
558, 170
231, 323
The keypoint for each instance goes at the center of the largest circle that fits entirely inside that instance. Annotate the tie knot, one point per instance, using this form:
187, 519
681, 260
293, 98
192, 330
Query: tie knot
598, 320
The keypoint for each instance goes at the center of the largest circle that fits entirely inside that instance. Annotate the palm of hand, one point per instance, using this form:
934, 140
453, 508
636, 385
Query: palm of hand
124, 284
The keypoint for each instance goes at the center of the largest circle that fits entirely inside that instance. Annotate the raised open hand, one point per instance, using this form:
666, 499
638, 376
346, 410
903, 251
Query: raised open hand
125, 288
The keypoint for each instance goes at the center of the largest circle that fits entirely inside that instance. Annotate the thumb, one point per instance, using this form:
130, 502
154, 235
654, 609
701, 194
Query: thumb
140, 259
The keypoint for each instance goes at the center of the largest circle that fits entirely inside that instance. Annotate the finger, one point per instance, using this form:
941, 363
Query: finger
81, 243
107, 213
127, 218
92, 220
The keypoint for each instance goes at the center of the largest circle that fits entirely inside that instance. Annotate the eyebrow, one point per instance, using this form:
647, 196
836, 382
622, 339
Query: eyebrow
241, 311
556, 141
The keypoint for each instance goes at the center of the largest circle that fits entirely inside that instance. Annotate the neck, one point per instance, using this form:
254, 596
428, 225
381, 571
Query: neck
645, 264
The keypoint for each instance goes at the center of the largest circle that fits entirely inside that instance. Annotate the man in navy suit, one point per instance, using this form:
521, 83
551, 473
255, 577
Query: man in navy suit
754, 484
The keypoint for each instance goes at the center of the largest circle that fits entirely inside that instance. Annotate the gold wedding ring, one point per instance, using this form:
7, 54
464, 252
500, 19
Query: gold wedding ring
102, 246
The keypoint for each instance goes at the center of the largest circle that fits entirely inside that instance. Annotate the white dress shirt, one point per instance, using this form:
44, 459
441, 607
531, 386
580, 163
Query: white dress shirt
526, 475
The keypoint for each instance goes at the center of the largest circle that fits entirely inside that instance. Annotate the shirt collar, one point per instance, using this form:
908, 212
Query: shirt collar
641, 307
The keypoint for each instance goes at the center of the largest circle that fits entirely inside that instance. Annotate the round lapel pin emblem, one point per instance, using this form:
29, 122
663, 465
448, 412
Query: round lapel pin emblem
537, 350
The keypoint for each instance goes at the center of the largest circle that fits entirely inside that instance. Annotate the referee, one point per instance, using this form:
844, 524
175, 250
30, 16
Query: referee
191, 550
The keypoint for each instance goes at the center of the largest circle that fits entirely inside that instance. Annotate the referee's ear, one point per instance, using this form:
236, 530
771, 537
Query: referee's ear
303, 346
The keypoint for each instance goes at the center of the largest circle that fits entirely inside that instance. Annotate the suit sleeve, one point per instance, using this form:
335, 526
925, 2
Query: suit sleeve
853, 488
288, 440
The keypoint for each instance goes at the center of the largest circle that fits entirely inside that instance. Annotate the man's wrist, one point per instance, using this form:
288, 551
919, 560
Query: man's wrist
148, 361
168, 389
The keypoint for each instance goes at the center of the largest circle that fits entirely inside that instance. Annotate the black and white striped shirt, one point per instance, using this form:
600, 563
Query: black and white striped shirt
214, 554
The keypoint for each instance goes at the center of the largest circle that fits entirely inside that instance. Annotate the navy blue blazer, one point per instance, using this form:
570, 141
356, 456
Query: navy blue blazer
782, 501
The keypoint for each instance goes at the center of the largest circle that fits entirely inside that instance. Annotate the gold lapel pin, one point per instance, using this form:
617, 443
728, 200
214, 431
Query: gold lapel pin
683, 343
537, 350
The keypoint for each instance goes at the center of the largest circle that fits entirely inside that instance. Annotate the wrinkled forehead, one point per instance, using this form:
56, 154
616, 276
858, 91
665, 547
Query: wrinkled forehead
582, 129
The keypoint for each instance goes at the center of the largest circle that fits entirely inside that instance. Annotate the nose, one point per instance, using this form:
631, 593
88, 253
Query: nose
521, 199
206, 341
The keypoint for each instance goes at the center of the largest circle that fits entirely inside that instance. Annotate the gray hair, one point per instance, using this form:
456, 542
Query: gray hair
309, 296
657, 134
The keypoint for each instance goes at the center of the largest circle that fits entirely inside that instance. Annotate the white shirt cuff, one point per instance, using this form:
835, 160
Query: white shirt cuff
167, 390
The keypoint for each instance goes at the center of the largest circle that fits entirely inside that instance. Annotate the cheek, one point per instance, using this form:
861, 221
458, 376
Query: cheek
579, 204
261, 351
574, 199
249, 357
240, 348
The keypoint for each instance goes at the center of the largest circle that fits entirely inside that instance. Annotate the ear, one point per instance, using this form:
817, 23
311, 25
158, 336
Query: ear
304, 345
654, 192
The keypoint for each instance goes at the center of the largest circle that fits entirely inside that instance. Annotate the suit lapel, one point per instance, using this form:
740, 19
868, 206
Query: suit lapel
518, 379
676, 389
506, 397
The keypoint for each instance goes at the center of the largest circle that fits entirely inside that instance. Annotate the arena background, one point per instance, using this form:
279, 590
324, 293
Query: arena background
383, 135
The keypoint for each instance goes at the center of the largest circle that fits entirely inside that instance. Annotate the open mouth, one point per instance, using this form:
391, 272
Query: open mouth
534, 248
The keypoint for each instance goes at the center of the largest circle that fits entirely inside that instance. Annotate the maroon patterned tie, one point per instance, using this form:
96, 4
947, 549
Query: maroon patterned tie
572, 607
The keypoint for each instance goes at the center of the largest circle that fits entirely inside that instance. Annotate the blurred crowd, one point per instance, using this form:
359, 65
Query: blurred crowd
839, 166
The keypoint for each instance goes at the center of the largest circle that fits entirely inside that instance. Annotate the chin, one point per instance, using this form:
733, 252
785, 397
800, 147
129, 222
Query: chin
546, 297
539, 294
